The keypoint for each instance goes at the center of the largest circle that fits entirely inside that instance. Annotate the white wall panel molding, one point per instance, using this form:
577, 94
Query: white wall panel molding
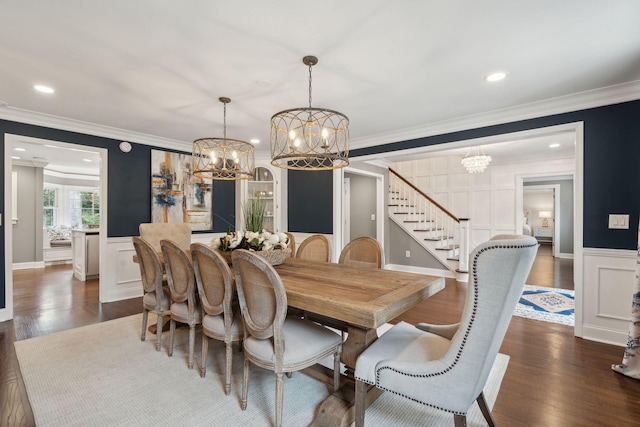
609, 277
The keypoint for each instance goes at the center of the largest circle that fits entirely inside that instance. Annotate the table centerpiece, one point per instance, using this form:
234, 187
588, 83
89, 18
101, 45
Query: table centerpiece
271, 246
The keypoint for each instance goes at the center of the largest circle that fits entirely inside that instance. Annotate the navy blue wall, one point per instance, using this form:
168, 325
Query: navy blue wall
310, 201
611, 165
129, 184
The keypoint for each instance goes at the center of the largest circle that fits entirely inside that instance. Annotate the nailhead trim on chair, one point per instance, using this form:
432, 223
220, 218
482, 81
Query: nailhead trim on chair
466, 334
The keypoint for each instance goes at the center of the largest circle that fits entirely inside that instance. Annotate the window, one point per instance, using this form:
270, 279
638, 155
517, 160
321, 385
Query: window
50, 207
85, 208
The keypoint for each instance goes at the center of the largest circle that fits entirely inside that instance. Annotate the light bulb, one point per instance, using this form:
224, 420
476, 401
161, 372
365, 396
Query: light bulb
325, 133
292, 134
296, 143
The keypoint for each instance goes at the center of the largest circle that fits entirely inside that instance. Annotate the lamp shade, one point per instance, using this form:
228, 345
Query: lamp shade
544, 214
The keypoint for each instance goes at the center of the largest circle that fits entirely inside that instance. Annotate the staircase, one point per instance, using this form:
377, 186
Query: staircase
437, 230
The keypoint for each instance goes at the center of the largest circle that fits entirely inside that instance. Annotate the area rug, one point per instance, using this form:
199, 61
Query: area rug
103, 375
547, 304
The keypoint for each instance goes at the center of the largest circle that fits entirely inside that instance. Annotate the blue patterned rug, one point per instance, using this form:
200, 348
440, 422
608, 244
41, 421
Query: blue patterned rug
547, 304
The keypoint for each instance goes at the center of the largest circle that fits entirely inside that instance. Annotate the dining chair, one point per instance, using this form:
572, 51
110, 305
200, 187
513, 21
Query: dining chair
185, 307
363, 252
314, 248
216, 289
292, 243
271, 339
180, 233
157, 296
446, 366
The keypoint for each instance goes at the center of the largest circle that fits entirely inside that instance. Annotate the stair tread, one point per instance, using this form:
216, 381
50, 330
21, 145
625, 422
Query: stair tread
448, 248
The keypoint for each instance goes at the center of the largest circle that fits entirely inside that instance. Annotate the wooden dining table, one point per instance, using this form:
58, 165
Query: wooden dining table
361, 299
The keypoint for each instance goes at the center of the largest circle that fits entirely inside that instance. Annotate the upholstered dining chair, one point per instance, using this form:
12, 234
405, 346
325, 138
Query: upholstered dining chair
216, 289
446, 366
292, 243
271, 339
314, 248
363, 252
180, 233
185, 307
157, 297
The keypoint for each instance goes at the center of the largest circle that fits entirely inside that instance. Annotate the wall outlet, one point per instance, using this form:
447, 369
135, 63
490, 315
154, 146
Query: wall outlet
373, 217
407, 254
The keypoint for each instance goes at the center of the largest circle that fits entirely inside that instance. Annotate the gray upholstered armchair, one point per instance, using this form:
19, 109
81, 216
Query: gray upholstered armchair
446, 367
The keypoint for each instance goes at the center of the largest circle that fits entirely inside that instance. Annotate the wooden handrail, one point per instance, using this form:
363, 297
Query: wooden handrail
455, 218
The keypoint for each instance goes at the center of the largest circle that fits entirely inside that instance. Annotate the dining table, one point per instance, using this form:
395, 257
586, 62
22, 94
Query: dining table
361, 300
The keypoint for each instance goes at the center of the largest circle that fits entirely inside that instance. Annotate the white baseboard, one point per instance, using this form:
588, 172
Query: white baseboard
27, 265
606, 336
420, 270
565, 255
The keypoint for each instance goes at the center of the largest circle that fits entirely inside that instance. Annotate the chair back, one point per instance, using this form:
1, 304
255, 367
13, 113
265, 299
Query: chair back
262, 297
150, 266
498, 271
180, 275
314, 248
213, 278
363, 252
292, 243
180, 233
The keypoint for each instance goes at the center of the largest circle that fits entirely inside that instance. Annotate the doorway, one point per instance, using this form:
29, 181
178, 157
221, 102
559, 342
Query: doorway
67, 151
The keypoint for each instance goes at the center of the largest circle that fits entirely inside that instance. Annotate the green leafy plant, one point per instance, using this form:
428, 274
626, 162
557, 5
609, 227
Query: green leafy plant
253, 213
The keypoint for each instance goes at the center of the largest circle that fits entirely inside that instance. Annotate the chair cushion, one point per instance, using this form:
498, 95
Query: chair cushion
149, 300
213, 326
304, 341
180, 312
402, 343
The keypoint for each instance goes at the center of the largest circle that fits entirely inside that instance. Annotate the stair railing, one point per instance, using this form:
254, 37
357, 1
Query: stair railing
430, 216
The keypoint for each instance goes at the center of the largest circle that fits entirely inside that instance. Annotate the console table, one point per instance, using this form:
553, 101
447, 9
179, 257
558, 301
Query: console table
543, 234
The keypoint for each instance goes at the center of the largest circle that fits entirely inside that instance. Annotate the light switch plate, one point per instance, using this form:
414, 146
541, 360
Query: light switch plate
619, 221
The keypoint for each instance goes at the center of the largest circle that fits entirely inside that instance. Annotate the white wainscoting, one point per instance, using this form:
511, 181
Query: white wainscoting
609, 278
120, 278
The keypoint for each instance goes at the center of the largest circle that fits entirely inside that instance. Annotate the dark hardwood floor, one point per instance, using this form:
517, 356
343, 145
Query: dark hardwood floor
553, 378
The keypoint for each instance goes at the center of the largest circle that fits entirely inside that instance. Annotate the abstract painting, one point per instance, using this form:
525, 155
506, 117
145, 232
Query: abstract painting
176, 194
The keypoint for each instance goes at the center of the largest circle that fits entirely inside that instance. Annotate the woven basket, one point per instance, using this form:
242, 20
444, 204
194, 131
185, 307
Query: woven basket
273, 257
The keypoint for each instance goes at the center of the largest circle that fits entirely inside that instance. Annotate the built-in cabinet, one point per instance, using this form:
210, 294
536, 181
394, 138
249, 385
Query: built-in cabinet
85, 244
265, 186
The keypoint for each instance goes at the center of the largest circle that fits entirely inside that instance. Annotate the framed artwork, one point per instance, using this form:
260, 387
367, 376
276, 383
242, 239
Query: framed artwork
176, 194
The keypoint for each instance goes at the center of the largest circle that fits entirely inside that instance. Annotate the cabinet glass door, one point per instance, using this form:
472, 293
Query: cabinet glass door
262, 187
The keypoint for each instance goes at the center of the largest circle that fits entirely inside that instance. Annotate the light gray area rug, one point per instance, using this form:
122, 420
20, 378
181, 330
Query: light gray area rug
103, 375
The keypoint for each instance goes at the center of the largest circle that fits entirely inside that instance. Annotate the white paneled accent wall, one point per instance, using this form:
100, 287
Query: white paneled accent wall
487, 198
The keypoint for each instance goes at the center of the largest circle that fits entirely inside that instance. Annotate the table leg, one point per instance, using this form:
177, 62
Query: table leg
165, 325
338, 409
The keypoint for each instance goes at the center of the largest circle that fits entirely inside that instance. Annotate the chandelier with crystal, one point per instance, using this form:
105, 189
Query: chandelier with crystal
309, 138
223, 158
475, 160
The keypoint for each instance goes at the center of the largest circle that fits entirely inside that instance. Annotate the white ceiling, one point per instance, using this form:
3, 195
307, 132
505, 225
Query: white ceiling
158, 68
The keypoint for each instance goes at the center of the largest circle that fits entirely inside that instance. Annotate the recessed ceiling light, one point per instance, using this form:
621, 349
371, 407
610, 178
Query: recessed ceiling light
43, 88
554, 145
255, 141
495, 77
16, 157
19, 149
87, 160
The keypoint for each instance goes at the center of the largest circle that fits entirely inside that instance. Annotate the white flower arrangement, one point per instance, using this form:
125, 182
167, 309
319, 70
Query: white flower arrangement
251, 240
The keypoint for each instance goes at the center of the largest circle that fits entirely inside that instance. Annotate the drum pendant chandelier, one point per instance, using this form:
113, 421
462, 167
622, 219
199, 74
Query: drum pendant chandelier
309, 138
223, 158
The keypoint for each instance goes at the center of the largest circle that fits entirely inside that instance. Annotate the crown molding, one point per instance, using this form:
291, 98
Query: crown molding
579, 101
71, 125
